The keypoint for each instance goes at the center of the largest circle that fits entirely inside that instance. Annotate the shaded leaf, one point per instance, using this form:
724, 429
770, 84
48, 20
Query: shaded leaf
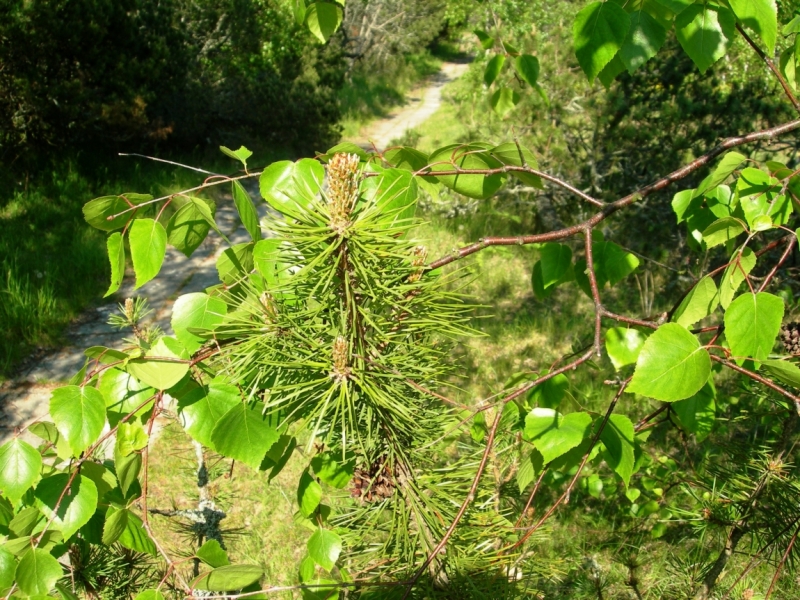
116, 256
643, 41
741, 264
309, 494
76, 507
761, 16
617, 437
493, 68
229, 577
700, 302
247, 212
705, 32
527, 68
697, 414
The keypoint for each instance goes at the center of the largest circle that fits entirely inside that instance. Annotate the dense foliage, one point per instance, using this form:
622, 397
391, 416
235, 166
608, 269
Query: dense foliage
329, 344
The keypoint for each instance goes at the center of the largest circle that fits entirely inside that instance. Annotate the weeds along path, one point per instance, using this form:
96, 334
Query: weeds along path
422, 102
26, 398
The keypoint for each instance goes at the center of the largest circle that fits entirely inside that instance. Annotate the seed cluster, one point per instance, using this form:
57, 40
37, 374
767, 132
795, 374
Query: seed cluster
343, 179
790, 336
373, 484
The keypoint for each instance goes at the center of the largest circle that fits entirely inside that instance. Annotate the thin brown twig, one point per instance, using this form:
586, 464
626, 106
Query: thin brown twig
565, 496
771, 64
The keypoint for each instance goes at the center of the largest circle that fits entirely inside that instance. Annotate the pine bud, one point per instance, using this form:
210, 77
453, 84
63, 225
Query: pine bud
419, 256
340, 371
129, 310
343, 179
269, 306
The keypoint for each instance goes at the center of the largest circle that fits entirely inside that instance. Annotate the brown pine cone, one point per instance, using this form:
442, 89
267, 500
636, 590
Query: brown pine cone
790, 336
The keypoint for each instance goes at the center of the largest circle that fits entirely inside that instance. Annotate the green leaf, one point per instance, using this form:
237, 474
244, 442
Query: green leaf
550, 393
212, 554
784, 370
556, 262
115, 525
504, 100
610, 71
123, 394
324, 546
409, 159
247, 212
760, 195
345, 148
235, 263
190, 224
127, 468
268, 260
161, 374
741, 264
697, 414
598, 33
761, 16
116, 255
278, 455
25, 521
242, 154
131, 437
79, 414
722, 231
309, 493
467, 156
681, 203
493, 68
553, 434
323, 19
517, 155
623, 346
135, 537
308, 568
150, 595
37, 572
527, 68
148, 241
394, 193
7, 568
617, 437
76, 507
97, 212
671, 366
529, 466
644, 40
243, 434
331, 472
202, 408
612, 263
792, 26
787, 62
700, 302
705, 32
729, 163
196, 311
675, 6
484, 38
752, 323
227, 578
20, 465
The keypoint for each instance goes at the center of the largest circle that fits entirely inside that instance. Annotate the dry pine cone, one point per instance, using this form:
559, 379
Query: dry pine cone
790, 336
373, 484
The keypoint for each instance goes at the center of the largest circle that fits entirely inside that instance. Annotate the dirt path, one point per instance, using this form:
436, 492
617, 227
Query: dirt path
26, 398
422, 103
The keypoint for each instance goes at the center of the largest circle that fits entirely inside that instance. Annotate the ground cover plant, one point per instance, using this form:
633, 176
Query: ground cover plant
328, 354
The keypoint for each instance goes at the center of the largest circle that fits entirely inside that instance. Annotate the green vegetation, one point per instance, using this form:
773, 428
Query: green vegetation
552, 380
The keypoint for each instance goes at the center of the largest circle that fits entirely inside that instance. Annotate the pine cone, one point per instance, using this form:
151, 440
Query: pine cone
374, 484
790, 336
